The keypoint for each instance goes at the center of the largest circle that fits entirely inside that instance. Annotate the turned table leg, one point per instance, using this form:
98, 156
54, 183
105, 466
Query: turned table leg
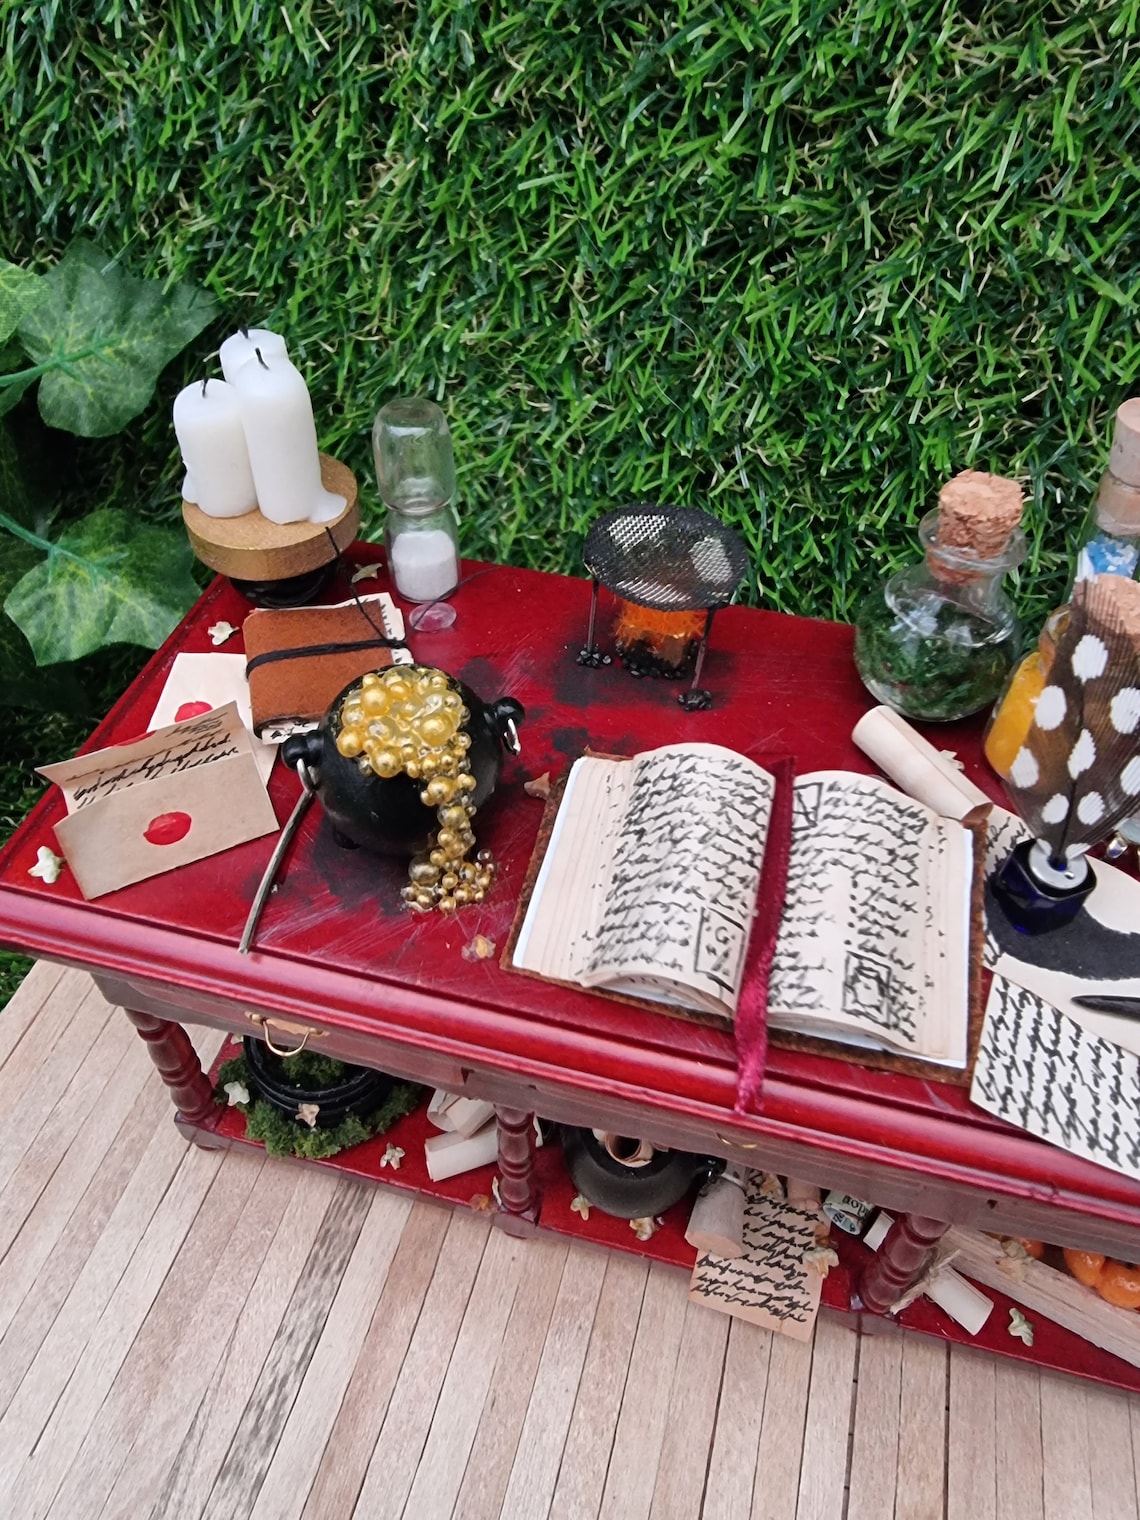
177, 1064
900, 1261
518, 1195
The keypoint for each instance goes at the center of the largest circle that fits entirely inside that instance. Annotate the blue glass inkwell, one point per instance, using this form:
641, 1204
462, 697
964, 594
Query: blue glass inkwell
1037, 893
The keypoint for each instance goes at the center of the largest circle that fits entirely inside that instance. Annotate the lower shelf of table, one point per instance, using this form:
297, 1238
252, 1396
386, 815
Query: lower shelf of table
1053, 1348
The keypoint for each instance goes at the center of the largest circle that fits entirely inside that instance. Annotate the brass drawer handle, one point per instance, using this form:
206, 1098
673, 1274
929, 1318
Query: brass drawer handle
306, 1031
740, 1145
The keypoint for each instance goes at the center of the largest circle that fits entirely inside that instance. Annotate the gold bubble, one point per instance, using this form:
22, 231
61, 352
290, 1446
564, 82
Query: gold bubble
422, 872
439, 790
437, 857
454, 816
437, 681
462, 741
372, 678
446, 838
412, 769
352, 715
436, 729
376, 700
484, 857
386, 763
447, 904
466, 782
399, 688
449, 881
462, 895
350, 742
424, 900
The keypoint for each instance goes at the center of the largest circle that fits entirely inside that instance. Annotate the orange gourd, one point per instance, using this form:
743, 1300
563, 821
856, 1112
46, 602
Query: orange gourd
1117, 1282
1120, 1284
1086, 1266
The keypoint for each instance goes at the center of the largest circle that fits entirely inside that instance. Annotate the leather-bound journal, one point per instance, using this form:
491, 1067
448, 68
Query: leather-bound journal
298, 659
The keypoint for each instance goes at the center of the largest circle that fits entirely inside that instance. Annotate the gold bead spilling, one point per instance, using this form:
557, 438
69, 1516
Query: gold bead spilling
410, 720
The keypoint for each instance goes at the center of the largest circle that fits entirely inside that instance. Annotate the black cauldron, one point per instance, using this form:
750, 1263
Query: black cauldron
386, 814
359, 1091
631, 1178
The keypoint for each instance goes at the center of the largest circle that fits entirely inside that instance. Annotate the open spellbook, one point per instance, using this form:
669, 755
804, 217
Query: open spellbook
649, 883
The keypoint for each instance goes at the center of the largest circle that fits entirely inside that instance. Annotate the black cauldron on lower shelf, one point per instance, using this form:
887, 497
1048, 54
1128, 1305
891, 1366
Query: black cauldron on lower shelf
630, 1178
386, 814
360, 1090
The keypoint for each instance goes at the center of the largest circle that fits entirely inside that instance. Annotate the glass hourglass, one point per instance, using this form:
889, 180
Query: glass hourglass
415, 473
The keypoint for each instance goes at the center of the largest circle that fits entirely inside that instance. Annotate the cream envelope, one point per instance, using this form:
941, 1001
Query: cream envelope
135, 810
200, 681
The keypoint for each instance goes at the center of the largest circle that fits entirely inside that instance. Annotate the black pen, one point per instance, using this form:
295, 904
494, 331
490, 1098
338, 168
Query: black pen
1108, 1002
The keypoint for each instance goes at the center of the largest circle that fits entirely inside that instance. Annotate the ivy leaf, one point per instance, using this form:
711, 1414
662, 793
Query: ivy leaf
105, 336
20, 291
109, 579
12, 360
21, 684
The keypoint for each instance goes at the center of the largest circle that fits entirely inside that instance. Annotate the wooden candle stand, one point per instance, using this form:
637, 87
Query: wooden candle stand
253, 549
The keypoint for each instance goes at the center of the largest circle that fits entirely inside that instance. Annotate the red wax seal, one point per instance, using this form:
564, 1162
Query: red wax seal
191, 710
168, 828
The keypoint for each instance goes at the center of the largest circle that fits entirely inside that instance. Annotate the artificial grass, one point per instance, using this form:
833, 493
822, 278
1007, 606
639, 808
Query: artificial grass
793, 260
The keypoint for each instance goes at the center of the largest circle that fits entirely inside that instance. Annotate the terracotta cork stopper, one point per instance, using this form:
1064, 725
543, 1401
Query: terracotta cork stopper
1124, 458
1114, 602
977, 513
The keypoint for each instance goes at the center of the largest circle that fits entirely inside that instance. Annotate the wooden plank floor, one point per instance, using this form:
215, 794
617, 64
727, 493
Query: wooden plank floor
190, 1334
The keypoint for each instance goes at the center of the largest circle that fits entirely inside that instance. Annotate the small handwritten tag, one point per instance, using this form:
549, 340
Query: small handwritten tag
773, 1284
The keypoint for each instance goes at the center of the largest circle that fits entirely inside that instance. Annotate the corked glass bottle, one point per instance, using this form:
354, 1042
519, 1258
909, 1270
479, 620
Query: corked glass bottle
938, 639
1111, 543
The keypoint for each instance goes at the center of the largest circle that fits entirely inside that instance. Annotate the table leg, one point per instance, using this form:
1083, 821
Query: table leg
900, 1261
177, 1064
518, 1196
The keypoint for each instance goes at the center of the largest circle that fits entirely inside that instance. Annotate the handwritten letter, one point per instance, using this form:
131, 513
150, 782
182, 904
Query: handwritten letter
770, 1285
1040, 1070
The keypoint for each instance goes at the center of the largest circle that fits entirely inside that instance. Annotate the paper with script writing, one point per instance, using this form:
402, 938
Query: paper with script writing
873, 945
770, 1285
197, 681
1039, 1070
649, 881
182, 793
684, 870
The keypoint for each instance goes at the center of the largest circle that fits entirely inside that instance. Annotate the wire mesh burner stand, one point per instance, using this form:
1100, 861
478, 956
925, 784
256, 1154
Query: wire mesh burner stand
670, 560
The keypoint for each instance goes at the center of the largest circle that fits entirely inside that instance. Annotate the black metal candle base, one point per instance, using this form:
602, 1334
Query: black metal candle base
293, 591
1033, 906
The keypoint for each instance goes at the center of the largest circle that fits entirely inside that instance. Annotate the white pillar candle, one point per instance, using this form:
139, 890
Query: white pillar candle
239, 349
208, 425
282, 437
424, 565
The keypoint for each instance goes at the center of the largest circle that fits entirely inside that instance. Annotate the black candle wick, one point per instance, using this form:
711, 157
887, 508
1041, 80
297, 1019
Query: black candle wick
244, 330
260, 360
205, 383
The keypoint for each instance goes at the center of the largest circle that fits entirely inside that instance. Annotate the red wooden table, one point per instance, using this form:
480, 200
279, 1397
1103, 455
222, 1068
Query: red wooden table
338, 955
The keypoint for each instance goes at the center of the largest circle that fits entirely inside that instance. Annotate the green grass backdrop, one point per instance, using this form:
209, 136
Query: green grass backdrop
796, 261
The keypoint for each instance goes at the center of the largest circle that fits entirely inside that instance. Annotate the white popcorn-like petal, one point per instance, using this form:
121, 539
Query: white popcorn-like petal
1124, 710
1083, 754
1090, 809
1089, 658
1024, 771
1056, 810
1051, 707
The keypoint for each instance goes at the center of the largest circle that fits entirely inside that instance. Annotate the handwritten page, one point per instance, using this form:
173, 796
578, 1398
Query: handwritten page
1040, 1070
875, 933
771, 1285
684, 871
197, 682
